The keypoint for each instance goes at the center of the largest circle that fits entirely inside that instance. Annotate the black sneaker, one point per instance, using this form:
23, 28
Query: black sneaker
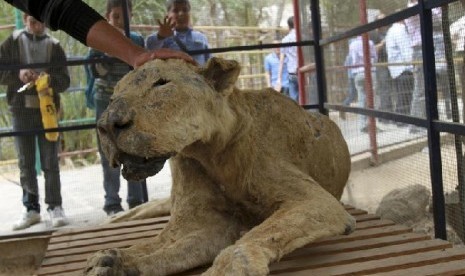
134, 204
113, 209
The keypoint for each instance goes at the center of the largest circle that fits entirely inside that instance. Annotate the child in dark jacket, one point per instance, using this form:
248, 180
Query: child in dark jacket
33, 45
106, 76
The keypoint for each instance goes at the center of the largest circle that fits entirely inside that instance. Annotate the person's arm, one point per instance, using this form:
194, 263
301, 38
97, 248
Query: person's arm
59, 76
8, 77
153, 42
267, 66
307, 68
86, 25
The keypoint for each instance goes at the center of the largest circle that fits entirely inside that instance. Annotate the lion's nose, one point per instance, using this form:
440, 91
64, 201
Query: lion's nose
115, 119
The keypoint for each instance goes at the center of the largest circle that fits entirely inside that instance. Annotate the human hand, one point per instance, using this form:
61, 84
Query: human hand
277, 86
27, 75
163, 53
166, 27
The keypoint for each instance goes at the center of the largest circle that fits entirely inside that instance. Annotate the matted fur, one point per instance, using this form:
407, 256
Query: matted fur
254, 175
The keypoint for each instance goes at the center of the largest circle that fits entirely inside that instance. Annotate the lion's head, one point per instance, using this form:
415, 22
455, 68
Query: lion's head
159, 109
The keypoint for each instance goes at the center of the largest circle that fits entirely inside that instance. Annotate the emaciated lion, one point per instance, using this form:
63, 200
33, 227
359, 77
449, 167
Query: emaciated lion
255, 176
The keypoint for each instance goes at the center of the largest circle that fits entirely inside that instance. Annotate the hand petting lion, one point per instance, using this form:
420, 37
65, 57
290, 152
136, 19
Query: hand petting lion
255, 176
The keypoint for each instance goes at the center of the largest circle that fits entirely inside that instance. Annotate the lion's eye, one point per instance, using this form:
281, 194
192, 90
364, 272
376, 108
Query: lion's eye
160, 82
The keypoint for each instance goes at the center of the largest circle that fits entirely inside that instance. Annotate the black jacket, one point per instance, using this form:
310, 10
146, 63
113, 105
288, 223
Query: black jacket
10, 55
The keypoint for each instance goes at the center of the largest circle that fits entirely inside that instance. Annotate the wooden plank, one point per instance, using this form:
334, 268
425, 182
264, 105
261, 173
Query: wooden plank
452, 268
61, 269
385, 265
106, 236
95, 247
325, 260
104, 227
373, 224
348, 206
356, 212
357, 245
85, 251
112, 243
107, 232
319, 258
318, 250
365, 217
365, 234
376, 247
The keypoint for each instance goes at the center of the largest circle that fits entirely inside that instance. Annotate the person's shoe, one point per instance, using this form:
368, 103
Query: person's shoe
113, 209
134, 204
416, 130
365, 129
57, 216
27, 219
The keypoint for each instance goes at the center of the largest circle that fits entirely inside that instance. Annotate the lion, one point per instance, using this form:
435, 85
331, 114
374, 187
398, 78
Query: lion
254, 175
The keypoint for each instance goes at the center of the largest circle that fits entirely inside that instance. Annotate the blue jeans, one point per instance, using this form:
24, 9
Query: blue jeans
293, 87
418, 96
29, 119
359, 81
351, 92
111, 176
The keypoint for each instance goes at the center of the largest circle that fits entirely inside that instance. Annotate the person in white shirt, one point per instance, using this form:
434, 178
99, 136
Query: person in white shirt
356, 53
414, 30
399, 51
291, 54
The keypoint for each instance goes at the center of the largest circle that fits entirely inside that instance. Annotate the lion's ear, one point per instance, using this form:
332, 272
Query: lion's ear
221, 73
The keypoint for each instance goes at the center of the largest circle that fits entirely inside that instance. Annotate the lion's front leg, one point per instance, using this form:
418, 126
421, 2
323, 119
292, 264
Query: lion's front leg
293, 225
176, 249
199, 228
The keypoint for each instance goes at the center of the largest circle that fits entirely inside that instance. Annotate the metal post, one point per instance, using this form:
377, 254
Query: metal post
19, 24
300, 57
368, 83
126, 17
455, 117
127, 32
319, 62
429, 71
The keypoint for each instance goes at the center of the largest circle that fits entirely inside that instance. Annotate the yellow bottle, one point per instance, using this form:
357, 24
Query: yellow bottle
47, 106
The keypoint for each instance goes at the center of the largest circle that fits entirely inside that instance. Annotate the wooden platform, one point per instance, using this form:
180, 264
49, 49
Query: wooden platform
377, 247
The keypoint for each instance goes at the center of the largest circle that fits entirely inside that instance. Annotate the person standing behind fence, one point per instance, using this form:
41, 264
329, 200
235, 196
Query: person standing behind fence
357, 57
28, 46
399, 52
383, 77
414, 30
106, 76
291, 54
275, 80
175, 32
351, 90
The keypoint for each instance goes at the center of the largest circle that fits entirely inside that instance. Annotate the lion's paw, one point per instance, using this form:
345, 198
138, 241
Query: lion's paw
240, 260
108, 263
350, 224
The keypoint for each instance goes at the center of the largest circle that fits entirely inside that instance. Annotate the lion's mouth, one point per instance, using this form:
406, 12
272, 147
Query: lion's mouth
137, 168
